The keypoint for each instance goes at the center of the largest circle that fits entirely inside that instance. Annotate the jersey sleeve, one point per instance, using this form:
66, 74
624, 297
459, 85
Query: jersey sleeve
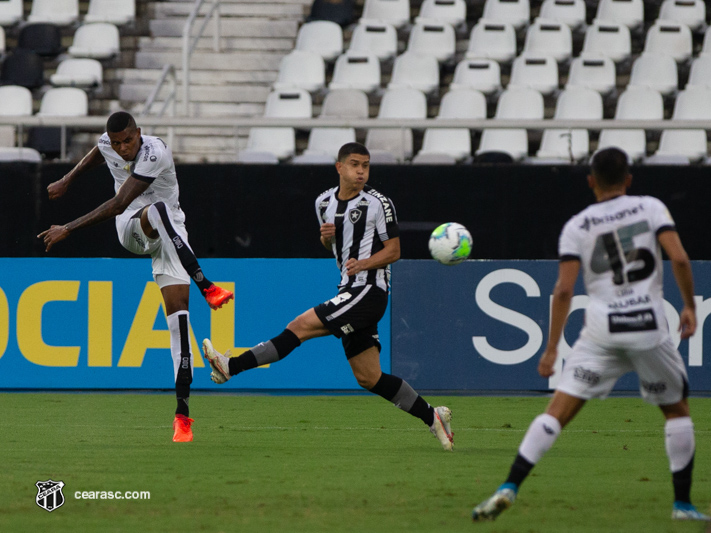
152, 162
386, 220
568, 249
661, 218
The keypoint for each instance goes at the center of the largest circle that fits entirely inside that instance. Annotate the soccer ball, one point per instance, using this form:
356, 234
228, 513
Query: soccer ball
450, 243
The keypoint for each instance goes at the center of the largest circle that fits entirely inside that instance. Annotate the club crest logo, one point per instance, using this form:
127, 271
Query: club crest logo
354, 215
49, 494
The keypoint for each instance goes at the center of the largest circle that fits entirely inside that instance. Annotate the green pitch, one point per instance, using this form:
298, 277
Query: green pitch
346, 463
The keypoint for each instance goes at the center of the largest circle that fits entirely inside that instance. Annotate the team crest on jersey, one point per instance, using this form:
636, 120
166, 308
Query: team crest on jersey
49, 494
354, 215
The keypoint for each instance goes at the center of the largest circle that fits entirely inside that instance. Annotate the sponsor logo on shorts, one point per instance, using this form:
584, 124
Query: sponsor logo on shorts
586, 376
139, 240
347, 329
343, 297
643, 320
654, 388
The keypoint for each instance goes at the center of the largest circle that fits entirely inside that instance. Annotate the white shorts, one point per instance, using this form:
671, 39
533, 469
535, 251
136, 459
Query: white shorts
591, 371
167, 269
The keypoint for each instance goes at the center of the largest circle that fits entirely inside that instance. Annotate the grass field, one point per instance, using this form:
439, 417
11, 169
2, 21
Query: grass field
333, 463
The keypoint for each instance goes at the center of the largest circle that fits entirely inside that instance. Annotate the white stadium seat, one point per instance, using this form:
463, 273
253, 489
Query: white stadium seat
321, 37
356, 70
535, 72
11, 12
700, 74
78, 72
610, 39
689, 12
417, 71
452, 12
515, 12
627, 12
433, 38
60, 12
480, 74
324, 143
549, 37
691, 104
15, 101
570, 12
117, 12
671, 38
395, 12
303, 70
64, 102
379, 38
656, 71
98, 40
594, 72
397, 103
490, 39
350, 103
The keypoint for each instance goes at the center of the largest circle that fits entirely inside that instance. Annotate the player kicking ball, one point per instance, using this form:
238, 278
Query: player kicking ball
617, 242
149, 221
359, 226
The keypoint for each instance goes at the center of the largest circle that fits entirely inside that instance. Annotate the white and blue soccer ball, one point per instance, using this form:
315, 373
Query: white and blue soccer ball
450, 243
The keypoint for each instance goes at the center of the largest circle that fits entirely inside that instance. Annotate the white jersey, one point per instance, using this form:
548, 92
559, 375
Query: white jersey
616, 243
153, 164
363, 223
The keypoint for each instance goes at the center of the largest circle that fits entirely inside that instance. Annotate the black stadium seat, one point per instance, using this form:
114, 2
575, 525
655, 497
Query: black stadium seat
45, 39
22, 67
338, 11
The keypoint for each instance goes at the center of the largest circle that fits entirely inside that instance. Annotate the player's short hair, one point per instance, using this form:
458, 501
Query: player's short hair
119, 121
610, 166
352, 148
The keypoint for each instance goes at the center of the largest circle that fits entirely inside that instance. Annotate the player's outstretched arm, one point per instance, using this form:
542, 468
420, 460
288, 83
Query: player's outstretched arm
562, 296
681, 266
91, 160
383, 258
129, 191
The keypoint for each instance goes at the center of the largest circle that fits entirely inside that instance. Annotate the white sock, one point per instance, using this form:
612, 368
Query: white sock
541, 435
180, 347
679, 442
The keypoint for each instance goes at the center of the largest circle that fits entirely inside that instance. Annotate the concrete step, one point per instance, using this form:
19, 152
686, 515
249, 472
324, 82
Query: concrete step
236, 9
201, 93
230, 28
212, 109
227, 44
197, 77
212, 60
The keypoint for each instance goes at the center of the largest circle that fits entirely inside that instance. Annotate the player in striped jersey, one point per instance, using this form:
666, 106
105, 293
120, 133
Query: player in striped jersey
149, 221
617, 242
358, 224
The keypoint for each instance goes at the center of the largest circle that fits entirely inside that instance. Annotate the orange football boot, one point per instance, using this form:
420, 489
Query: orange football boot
181, 425
217, 296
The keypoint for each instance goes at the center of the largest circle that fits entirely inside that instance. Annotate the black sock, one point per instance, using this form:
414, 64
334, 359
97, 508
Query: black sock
182, 394
519, 470
265, 353
244, 362
682, 483
185, 254
422, 410
398, 391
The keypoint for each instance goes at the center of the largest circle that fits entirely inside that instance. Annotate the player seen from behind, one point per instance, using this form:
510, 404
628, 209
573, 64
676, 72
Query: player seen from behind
616, 242
149, 221
359, 226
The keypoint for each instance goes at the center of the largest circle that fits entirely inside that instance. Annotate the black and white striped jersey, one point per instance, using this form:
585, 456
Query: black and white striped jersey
363, 223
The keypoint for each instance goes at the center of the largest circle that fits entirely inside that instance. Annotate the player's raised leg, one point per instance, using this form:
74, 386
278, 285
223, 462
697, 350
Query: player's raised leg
157, 217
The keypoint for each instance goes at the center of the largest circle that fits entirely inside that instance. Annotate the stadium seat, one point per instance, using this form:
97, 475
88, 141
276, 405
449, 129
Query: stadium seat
97, 40
514, 103
288, 103
549, 38
256, 157
627, 12
492, 40
22, 67
321, 37
395, 12
594, 72
689, 12
700, 74
706, 48
117, 12
78, 72
302, 70
453, 142
15, 100
515, 12
480, 74
433, 38
24, 154
64, 102
570, 12
323, 145
346, 103
417, 71
379, 38
535, 72
656, 71
433, 158
356, 70
43, 38
2, 41
691, 104
570, 145
671, 38
452, 12
397, 103
609, 39
61, 12
11, 12
636, 103
341, 12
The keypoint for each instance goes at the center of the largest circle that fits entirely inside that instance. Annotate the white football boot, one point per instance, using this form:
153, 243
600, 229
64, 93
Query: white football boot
502, 499
218, 362
441, 429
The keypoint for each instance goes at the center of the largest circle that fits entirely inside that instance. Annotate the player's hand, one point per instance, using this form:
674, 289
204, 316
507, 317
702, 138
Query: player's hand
353, 266
57, 189
53, 235
687, 322
328, 231
547, 362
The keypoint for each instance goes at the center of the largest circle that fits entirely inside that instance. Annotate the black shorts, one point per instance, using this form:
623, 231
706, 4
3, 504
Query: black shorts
353, 317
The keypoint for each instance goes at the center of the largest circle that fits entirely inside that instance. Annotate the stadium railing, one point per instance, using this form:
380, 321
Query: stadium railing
189, 46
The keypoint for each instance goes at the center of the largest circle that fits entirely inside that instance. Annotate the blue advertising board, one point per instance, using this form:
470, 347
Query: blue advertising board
482, 325
100, 324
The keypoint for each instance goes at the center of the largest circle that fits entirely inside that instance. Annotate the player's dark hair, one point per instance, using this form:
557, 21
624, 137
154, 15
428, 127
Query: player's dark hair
119, 121
352, 148
610, 166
